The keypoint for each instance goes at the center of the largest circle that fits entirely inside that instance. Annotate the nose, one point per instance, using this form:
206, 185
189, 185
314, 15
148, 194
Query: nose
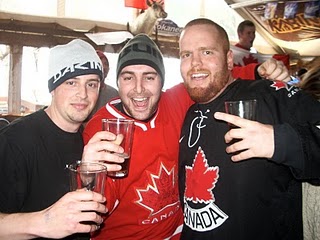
82, 91
139, 88
196, 60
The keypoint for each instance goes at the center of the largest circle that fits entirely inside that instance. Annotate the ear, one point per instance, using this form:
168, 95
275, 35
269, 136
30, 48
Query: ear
230, 60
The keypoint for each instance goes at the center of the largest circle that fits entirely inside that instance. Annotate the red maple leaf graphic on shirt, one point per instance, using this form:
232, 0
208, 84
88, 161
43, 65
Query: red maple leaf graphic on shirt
278, 85
200, 179
161, 194
249, 59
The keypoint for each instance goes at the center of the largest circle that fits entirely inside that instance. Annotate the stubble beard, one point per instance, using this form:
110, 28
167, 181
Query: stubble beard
141, 116
79, 117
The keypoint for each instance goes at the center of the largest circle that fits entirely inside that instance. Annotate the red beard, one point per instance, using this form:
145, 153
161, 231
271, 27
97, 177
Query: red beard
216, 85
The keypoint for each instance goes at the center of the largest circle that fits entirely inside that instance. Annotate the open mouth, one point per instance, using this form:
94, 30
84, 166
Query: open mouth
140, 102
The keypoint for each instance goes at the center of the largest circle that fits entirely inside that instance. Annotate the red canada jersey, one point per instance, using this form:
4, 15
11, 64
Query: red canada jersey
145, 204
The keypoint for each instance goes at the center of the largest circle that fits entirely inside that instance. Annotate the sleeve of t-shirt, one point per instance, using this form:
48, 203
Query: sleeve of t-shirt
13, 180
297, 141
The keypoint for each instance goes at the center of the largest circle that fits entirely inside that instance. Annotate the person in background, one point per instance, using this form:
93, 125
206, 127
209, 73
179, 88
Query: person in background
310, 83
243, 54
35, 201
145, 204
107, 92
246, 33
224, 197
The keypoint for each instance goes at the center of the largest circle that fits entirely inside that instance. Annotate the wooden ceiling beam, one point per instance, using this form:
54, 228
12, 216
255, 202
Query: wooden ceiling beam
35, 34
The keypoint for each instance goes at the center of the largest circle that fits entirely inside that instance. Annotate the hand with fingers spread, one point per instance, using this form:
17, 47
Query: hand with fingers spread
256, 139
273, 69
102, 148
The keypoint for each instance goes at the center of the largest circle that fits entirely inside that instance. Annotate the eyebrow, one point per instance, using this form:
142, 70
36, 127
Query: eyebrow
144, 73
90, 79
183, 52
153, 72
208, 48
212, 48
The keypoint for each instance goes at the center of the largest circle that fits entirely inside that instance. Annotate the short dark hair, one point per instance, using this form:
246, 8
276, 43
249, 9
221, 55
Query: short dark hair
222, 33
243, 24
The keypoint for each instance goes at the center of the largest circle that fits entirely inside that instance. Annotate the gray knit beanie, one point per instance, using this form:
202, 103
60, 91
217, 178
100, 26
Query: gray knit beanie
71, 60
141, 50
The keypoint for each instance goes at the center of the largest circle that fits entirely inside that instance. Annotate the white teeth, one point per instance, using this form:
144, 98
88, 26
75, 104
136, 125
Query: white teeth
199, 75
139, 99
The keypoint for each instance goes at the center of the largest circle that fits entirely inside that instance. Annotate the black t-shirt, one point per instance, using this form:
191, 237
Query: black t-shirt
33, 157
257, 198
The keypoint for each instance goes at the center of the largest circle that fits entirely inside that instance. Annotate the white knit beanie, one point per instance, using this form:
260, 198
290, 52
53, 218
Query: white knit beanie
71, 60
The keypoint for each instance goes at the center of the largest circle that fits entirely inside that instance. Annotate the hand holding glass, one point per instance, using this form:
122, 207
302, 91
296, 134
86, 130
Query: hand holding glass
123, 129
242, 108
88, 175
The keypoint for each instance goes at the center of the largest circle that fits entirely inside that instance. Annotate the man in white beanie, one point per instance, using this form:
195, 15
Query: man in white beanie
34, 152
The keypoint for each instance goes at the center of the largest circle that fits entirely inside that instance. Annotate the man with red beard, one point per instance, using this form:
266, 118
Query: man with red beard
223, 197
145, 204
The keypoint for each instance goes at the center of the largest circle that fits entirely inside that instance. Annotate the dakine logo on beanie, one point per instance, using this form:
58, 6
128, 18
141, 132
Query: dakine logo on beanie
71, 60
141, 50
